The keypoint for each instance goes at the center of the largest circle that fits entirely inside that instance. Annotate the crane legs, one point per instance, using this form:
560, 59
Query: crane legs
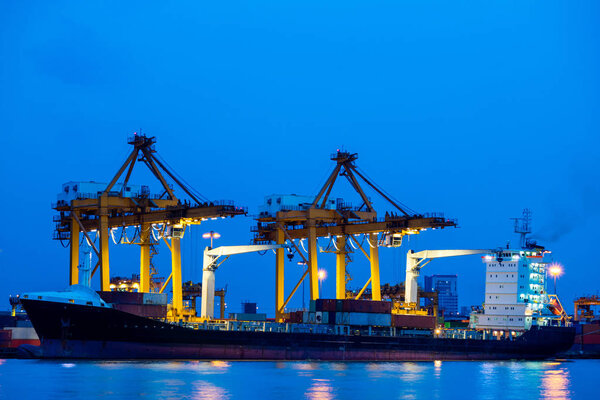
340, 268
74, 271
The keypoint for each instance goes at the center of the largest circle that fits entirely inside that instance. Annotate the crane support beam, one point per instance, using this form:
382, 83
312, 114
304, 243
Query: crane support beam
114, 180
362, 290
172, 216
313, 267
103, 229
362, 249
176, 272
145, 258
157, 174
279, 275
282, 309
374, 257
74, 248
340, 268
416, 261
357, 187
164, 286
398, 225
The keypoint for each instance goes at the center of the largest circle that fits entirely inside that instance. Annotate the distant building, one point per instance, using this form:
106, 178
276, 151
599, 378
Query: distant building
446, 286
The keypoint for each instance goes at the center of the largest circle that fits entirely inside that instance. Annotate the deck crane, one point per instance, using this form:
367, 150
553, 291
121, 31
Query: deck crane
114, 206
416, 261
340, 222
211, 264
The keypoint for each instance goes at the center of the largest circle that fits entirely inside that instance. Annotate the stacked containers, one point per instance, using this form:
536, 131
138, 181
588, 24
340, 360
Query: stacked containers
350, 312
151, 305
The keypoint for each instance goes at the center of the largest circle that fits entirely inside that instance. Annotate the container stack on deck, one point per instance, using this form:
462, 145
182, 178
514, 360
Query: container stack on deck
359, 313
151, 305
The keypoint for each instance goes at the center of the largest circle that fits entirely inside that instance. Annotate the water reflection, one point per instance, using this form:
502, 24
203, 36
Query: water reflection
320, 390
205, 390
556, 383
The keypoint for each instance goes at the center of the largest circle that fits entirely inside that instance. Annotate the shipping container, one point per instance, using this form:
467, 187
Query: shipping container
367, 306
322, 317
248, 316
122, 297
332, 316
144, 310
325, 305
155, 298
363, 319
414, 321
312, 307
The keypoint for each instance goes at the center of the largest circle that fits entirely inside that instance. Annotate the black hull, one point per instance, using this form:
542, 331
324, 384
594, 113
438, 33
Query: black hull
77, 331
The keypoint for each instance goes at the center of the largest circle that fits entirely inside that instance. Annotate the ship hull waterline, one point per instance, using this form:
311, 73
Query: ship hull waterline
90, 332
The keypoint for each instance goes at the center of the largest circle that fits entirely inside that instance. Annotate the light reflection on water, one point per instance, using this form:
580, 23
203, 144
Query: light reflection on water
556, 383
320, 390
223, 380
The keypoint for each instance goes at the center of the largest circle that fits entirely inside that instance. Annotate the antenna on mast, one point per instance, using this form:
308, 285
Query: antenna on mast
523, 226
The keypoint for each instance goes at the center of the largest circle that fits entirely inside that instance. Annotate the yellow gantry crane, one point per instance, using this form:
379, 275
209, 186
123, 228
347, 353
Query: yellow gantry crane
341, 223
114, 207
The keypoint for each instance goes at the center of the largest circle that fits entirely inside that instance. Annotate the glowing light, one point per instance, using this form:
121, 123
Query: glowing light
438, 331
555, 270
322, 274
211, 234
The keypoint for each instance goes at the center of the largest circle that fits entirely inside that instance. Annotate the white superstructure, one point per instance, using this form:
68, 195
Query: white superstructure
515, 289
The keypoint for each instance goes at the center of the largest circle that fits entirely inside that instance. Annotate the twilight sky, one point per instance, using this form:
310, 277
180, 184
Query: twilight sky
476, 110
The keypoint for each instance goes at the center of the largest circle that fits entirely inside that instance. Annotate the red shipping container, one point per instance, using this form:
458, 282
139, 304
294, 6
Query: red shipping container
367, 306
144, 310
325, 305
414, 321
122, 297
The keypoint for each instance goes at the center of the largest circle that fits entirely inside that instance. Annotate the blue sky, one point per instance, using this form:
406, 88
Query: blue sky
477, 110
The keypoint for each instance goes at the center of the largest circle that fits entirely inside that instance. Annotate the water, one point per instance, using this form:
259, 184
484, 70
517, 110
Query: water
34, 379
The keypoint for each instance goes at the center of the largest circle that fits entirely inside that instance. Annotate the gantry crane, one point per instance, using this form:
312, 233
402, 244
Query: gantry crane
112, 209
340, 223
211, 264
583, 307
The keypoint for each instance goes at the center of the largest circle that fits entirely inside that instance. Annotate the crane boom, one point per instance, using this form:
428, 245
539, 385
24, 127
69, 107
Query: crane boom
211, 256
231, 250
416, 261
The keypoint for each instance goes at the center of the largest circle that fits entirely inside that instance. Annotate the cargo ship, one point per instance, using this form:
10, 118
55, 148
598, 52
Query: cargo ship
78, 323
82, 323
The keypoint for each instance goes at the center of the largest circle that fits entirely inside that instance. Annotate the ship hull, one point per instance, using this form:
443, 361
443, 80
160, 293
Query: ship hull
78, 331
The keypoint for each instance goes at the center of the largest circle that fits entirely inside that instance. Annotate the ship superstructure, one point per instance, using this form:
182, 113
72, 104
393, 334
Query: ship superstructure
515, 288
